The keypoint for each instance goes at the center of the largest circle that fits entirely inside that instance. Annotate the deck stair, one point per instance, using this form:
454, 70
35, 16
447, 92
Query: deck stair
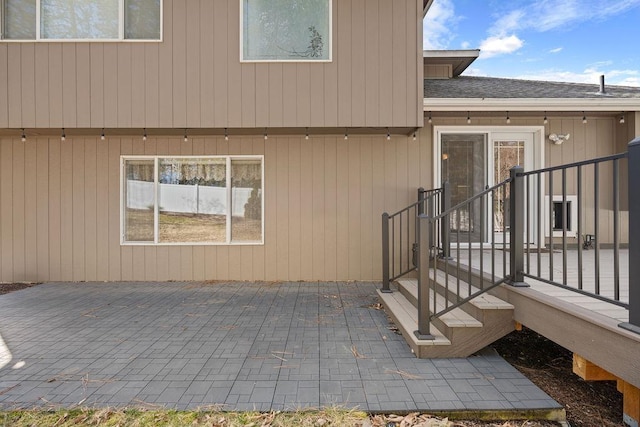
458, 333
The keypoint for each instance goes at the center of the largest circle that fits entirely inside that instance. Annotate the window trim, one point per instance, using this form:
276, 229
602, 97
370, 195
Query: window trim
155, 158
309, 61
121, 29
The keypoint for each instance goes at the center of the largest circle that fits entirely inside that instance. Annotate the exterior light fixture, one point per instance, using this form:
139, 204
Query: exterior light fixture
468, 118
23, 138
306, 135
144, 134
388, 135
545, 120
226, 134
346, 134
430, 120
584, 118
622, 119
186, 139
265, 134
508, 118
63, 136
102, 135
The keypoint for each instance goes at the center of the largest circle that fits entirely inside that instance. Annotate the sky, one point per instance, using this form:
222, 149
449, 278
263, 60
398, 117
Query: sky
555, 40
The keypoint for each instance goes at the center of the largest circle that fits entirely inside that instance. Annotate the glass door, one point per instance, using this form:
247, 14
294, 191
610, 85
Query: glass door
508, 150
464, 165
474, 161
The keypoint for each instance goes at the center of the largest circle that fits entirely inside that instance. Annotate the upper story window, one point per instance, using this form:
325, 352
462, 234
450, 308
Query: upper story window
286, 30
73, 20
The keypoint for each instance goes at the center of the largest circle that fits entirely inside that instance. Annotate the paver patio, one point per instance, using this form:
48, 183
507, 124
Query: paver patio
232, 345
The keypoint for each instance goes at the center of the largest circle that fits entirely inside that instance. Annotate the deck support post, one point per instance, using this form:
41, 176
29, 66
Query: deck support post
424, 235
634, 238
516, 227
445, 223
385, 253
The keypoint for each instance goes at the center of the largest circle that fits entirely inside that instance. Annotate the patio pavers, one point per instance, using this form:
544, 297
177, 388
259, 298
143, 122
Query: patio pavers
234, 346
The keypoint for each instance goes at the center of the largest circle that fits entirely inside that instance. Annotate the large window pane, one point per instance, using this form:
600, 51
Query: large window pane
192, 200
142, 19
286, 29
19, 19
79, 19
246, 200
139, 201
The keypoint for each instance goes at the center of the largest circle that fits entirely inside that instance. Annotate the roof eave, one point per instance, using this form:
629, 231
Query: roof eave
426, 4
531, 104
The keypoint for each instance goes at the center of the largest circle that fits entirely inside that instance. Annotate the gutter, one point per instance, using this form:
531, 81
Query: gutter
531, 104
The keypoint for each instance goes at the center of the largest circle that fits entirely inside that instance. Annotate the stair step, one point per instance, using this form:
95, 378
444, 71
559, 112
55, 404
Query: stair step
405, 316
456, 318
483, 302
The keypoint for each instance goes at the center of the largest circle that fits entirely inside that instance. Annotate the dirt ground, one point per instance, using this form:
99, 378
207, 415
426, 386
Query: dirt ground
550, 367
546, 364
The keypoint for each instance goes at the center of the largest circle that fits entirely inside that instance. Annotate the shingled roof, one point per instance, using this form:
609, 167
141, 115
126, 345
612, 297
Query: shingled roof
491, 87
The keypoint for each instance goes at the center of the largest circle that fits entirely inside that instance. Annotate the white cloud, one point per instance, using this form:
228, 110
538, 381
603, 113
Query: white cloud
545, 15
437, 26
556, 50
496, 45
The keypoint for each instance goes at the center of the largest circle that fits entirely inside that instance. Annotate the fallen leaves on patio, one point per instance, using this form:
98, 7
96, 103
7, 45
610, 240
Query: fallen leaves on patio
357, 355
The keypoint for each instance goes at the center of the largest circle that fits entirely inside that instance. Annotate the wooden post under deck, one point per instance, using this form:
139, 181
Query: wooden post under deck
631, 394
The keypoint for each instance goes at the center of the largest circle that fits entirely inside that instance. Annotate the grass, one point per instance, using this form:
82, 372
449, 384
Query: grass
167, 418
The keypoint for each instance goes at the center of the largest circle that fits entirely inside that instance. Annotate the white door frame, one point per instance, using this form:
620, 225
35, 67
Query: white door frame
534, 153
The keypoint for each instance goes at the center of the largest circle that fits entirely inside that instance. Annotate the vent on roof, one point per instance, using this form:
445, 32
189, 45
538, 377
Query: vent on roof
603, 90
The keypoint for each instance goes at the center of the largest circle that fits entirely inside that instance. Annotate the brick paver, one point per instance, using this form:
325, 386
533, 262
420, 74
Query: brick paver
243, 346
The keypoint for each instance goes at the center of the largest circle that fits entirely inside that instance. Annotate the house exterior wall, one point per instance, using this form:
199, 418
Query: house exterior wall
599, 137
60, 208
194, 77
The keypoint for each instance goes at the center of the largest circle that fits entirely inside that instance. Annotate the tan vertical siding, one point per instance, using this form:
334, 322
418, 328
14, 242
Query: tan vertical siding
60, 204
194, 78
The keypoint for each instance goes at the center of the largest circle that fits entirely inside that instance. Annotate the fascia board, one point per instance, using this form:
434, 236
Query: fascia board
531, 104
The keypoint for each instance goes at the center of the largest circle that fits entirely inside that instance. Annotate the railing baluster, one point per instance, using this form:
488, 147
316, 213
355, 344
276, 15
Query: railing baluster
580, 237
564, 226
596, 218
551, 225
482, 221
493, 236
616, 230
469, 235
540, 239
528, 223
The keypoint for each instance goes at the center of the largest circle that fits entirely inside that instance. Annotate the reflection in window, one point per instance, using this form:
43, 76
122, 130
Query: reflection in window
81, 19
207, 199
192, 200
286, 30
19, 17
246, 200
139, 200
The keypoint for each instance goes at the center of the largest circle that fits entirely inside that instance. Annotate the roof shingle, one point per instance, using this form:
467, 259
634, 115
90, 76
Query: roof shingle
491, 87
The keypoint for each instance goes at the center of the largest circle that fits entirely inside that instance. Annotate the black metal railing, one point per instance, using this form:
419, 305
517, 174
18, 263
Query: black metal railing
399, 235
463, 232
563, 241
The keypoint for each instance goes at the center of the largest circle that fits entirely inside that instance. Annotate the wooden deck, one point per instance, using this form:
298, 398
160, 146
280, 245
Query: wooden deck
540, 266
585, 325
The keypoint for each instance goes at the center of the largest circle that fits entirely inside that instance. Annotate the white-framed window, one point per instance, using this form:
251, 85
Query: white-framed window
187, 200
81, 20
285, 30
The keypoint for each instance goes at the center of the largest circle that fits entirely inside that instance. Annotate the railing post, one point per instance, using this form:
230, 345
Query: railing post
516, 227
445, 223
634, 237
424, 232
385, 253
